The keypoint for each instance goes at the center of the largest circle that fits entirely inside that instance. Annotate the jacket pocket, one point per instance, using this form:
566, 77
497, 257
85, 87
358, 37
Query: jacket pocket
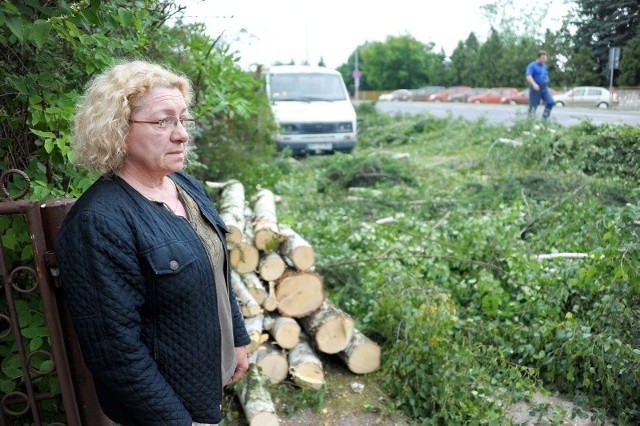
170, 258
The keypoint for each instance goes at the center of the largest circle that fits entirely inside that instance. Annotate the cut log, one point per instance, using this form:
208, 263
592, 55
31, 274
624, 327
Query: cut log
273, 362
296, 249
330, 328
299, 293
362, 355
285, 331
248, 305
255, 331
271, 266
270, 302
265, 226
255, 398
305, 367
231, 207
255, 286
244, 255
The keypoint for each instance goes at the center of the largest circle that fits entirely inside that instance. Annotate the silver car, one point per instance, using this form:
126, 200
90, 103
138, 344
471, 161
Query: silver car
587, 96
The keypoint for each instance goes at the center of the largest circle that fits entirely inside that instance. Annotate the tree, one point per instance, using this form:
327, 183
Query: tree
490, 56
398, 62
582, 68
605, 24
464, 61
630, 63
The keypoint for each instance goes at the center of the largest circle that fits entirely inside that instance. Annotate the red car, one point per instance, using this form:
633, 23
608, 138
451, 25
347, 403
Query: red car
521, 98
492, 96
443, 95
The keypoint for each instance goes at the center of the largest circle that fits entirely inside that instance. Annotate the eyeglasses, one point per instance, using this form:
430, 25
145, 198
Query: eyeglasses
171, 122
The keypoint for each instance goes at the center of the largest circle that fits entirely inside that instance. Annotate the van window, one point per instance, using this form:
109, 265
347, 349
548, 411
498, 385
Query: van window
307, 87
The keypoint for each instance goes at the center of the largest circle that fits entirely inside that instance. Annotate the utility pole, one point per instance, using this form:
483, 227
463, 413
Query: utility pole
356, 76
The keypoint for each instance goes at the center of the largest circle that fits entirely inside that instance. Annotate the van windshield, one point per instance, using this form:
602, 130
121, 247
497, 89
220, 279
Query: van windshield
306, 87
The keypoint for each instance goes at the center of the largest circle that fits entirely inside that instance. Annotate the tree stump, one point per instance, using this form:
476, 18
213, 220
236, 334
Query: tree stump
329, 327
305, 367
273, 362
362, 355
296, 250
299, 293
285, 331
271, 266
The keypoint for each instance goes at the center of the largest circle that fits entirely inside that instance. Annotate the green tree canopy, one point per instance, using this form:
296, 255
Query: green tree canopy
398, 62
630, 63
605, 24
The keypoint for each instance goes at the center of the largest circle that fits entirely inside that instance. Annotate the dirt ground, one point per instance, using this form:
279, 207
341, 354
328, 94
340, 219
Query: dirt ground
351, 400
357, 400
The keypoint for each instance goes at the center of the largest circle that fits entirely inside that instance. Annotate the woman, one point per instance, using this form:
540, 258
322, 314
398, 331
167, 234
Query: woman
143, 257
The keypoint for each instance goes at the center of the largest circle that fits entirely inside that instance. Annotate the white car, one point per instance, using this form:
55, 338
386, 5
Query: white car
587, 96
396, 95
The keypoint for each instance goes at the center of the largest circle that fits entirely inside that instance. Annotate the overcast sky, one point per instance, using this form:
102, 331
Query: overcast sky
283, 30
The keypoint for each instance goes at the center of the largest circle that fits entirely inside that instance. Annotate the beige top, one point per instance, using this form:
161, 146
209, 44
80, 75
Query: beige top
215, 250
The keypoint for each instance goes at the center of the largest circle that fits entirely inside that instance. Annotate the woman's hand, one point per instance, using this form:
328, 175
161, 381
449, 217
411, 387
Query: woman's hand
242, 364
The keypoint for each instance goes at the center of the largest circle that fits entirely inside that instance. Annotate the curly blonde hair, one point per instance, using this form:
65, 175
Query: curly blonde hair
101, 122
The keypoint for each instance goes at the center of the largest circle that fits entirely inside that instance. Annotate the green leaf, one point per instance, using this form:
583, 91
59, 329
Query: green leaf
7, 386
40, 31
33, 332
43, 134
126, 17
15, 25
49, 144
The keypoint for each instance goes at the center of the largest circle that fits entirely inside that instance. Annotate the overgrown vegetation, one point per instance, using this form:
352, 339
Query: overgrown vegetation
469, 319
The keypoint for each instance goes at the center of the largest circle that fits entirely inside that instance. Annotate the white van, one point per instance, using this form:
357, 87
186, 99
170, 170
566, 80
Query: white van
312, 108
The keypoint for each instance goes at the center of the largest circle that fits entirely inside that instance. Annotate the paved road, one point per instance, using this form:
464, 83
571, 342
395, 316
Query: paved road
507, 114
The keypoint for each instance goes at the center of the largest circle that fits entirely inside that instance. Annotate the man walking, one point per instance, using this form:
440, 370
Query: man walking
537, 76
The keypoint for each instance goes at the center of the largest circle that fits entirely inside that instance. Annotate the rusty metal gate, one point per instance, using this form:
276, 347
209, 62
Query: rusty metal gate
35, 283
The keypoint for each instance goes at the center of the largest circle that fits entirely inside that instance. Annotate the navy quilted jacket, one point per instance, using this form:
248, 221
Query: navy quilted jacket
139, 286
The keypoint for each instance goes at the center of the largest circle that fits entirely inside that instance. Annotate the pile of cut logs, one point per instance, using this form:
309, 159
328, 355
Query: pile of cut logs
282, 299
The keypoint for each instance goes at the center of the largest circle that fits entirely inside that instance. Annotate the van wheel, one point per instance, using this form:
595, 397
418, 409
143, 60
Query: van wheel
603, 105
559, 104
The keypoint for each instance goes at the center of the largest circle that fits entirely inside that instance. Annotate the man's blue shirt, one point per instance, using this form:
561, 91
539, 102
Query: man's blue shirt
539, 73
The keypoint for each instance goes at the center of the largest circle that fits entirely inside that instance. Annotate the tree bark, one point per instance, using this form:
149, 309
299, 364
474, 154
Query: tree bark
305, 367
299, 293
255, 398
362, 355
273, 362
330, 328
248, 305
296, 249
266, 231
255, 329
271, 266
231, 207
254, 286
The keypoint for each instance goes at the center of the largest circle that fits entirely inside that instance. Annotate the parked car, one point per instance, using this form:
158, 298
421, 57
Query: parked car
396, 95
423, 93
587, 96
443, 95
522, 97
493, 96
462, 96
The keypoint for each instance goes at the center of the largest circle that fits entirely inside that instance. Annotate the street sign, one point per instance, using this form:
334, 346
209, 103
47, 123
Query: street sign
356, 74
